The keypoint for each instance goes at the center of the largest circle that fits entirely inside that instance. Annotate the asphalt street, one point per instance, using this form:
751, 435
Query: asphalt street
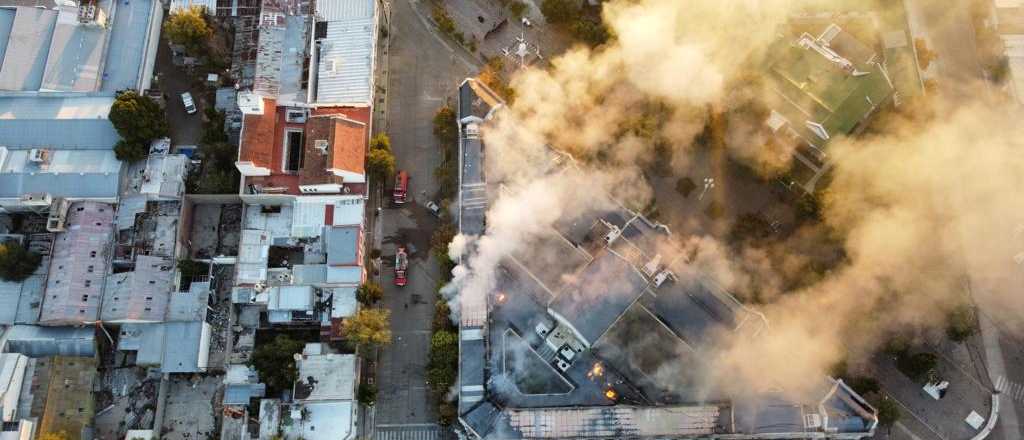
425, 71
186, 129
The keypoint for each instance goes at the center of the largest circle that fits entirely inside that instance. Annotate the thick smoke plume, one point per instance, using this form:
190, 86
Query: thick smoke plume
929, 206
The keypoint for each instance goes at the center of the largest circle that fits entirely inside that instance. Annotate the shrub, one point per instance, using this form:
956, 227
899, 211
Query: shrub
369, 293
16, 262
560, 11
918, 367
962, 323
367, 394
187, 27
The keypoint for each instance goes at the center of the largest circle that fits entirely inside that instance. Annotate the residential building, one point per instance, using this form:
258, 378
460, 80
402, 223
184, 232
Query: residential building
324, 405
295, 151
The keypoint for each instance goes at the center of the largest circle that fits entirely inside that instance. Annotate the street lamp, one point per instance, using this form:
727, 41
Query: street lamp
709, 182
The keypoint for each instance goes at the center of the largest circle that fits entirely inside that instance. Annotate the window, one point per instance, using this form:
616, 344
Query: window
292, 150
89, 269
149, 298
88, 283
148, 309
92, 254
85, 297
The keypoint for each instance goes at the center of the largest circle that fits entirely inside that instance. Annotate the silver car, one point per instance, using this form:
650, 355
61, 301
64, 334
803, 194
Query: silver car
188, 103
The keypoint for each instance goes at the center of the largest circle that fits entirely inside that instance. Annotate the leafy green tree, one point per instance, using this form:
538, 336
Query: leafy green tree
380, 164
445, 129
367, 394
219, 181
594, 33
275, 363
369, 293
369, 327
918, 367
888, 412
380, 142
16, 262
55, 435
443, 361
685, 186
560, 11
962, 324
188, 27
139, 120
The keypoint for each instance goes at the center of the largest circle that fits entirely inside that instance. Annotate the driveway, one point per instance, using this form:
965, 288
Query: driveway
186, 129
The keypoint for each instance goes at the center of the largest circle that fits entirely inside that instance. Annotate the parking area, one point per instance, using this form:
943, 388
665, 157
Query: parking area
927, 418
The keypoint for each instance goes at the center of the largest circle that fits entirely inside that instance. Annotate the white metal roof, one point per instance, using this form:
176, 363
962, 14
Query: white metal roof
333, 377
345, 67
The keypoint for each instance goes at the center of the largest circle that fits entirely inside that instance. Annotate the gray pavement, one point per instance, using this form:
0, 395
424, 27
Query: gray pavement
186, 129
426, 72
424, 431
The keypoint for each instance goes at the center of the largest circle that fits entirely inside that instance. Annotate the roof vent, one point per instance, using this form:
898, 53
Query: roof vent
39, 155
660, 278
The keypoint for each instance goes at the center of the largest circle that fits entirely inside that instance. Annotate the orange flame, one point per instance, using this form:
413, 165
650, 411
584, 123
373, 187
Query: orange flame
610, 394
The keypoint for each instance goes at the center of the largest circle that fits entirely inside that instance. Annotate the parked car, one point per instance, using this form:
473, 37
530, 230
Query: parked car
433, 208
188, 103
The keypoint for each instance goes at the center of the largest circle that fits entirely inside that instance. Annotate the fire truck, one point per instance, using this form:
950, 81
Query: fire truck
401, 265
401, 191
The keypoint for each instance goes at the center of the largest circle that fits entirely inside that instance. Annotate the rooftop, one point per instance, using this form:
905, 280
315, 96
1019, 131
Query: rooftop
71, 173
326, 377
140, 295
35, 341
347, 50
78, 265
100, 46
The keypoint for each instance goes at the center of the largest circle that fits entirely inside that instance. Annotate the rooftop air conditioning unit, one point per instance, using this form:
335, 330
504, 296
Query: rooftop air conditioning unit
38, 155
660, 278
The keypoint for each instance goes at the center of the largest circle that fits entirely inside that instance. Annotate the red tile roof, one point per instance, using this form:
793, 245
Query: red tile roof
258, 136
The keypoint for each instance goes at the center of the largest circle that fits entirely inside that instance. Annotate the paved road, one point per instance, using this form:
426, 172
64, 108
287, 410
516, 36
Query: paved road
424, 72
412, 432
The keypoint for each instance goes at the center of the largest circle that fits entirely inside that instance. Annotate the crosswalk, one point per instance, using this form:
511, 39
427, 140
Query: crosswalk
1013, 390
413, 432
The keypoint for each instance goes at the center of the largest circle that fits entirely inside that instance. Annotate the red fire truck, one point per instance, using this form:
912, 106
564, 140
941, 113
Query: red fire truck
401, 188
401, 265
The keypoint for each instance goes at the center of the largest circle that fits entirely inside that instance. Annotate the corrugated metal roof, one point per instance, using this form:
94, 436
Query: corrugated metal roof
190, 348
78, 265
76, 51
345, 68
342, 245
127, 47
336, 10
29, 42
19, 302
68, 173
345, 274
291, 298
35, 341
139, 295
6, 24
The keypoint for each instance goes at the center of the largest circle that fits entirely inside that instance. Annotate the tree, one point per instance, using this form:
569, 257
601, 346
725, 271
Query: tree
685, 186
925, 56
963, 323
594, 33
380, 142
58, 435
16, 262
275, 363
369, 327
918, 367
139, 120
443, 362
888, 412
517, 8
380, 164
219, 181
369, 293
445, 129
188, 27
560, 11
367, 394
